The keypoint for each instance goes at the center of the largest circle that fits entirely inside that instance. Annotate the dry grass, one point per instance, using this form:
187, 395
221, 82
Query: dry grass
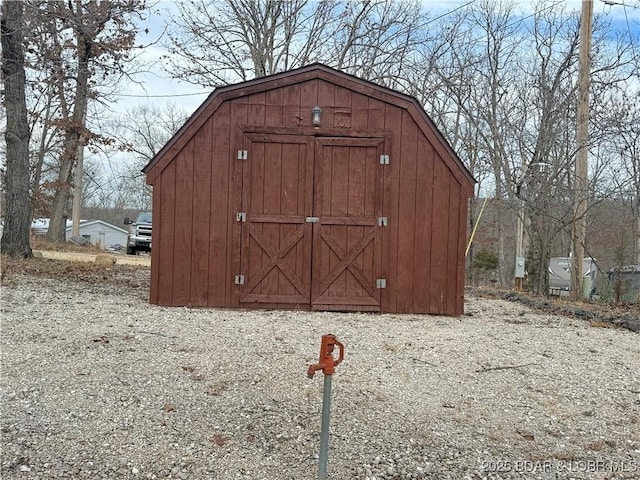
600, 324
599, 314
132, 276
87, 272
39, 243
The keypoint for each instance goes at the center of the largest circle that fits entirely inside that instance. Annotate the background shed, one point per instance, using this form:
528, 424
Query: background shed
255, 206
101, 234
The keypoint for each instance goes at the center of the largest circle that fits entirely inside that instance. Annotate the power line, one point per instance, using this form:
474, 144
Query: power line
610, 3
162, 96
515, 22
626, 17
449, 12
521, 20
613, 2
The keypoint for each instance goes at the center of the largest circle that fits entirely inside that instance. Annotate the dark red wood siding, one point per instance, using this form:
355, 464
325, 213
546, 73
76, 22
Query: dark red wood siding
293, 171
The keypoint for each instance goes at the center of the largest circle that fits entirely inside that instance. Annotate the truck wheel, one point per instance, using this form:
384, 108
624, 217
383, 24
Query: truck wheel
131, 250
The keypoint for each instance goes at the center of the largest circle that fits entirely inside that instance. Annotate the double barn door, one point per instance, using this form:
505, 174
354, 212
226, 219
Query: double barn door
311, 223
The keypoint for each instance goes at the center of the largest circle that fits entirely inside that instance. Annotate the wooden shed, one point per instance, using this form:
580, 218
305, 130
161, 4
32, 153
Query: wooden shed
256, 204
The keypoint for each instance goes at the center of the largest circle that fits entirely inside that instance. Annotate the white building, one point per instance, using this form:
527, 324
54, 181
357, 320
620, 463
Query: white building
101, 233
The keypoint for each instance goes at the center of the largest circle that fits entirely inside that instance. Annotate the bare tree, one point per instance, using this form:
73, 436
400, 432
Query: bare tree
75, 47
376, 40
215, 43
15, 235
474, 71
503, 88
492, 103
544, 130
545, 142
621, 158
140, 132
144, 129
46, 144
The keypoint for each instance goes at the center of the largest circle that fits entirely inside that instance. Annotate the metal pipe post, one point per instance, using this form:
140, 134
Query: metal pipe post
327, 364
324, 429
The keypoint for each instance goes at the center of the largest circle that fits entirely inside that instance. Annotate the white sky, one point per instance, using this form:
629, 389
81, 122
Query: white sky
157, 84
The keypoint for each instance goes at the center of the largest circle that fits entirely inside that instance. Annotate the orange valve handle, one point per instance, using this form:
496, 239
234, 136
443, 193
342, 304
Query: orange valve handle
327, 362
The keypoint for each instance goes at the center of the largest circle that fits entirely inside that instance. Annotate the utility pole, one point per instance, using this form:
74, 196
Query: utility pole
520, 259
580, 187
76, 205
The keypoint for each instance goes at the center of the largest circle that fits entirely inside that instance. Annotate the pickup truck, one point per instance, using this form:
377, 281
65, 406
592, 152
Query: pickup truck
139, 238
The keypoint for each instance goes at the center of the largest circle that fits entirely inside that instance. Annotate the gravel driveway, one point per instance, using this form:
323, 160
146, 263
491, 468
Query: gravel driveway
96, 383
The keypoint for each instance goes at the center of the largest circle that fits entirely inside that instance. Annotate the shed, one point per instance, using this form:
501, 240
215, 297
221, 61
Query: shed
100, 233
256, 204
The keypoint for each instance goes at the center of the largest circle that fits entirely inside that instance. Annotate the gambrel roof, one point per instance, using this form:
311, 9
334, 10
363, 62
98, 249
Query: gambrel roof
303, 74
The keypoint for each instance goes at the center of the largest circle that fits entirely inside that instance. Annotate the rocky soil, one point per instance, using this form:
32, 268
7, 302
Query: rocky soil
97, 383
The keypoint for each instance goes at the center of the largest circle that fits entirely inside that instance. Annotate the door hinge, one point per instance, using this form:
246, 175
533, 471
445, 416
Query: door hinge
242, 155
241, 217
382, 222
384, 159
381, 283
239, 280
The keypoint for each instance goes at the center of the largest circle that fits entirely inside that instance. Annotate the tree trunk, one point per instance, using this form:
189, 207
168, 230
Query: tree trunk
15, 236
636, 230
503, 263
59, 213
539, 260
38, 158
471, 277
73, 140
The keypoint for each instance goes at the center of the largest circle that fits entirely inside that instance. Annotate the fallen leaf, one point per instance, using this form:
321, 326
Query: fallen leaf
216, 389
526, 435
219, 440
168, 407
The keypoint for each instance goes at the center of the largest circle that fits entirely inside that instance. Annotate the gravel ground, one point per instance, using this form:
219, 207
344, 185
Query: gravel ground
97, 383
